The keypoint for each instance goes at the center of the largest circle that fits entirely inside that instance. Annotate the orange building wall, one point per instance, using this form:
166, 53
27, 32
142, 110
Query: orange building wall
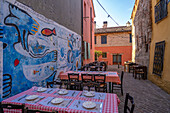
126, 52
86, 28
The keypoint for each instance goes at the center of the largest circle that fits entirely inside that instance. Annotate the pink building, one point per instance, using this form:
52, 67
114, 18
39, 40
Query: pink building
88, 32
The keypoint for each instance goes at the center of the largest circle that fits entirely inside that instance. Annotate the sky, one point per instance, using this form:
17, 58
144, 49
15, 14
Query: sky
119, 10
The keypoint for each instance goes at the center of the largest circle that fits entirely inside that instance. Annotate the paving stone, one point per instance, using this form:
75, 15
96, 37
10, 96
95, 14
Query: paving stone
148, 97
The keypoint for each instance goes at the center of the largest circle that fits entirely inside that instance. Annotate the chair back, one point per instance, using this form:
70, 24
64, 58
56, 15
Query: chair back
122, 74
38, 111
100, 78
7, 85
104, 66
11, 107
99, 68
139, 69
73, 77
87, 77
53, 83
128, 109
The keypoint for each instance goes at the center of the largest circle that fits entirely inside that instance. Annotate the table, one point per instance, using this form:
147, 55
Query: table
107, 103
111, 77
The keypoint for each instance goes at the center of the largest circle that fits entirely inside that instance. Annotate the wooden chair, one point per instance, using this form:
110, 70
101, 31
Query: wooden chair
87, 77
73, 77
126, 107
73, 81
104, 66
139, 72
131, 67
38, 111
90, 85
7, 85
100, 79
99, 68
92, 68
116, 86
11, 107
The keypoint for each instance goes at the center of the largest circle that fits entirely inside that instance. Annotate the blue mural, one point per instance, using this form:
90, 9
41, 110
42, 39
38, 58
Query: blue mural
35, 49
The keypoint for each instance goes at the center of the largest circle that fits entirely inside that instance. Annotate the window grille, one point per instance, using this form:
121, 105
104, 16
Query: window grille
160, 10
159, 58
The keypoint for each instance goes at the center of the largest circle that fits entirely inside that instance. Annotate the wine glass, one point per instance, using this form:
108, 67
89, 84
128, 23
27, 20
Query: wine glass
92, 90
85, 90
63, 86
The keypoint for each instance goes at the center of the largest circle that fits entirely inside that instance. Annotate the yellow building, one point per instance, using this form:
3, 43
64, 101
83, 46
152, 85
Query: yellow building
159, 65
151, 21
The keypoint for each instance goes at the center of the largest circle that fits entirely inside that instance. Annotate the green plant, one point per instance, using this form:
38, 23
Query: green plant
97, 54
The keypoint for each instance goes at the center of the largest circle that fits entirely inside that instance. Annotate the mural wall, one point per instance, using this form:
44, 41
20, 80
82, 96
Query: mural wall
35, 49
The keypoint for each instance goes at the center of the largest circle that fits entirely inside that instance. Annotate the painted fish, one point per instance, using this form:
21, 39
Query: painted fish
34, 72
48, 32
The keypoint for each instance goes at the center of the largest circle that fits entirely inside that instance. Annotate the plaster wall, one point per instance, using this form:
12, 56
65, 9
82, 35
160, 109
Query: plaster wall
64, 12
88, 28
160, 32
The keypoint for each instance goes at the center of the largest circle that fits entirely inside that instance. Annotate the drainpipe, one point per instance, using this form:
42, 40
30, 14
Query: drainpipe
81, 32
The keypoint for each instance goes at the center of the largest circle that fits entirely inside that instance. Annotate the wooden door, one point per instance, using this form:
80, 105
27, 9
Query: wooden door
117, 59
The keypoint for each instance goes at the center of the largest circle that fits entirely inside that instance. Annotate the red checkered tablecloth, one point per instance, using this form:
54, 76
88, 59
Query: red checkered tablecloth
110, 102
110, 76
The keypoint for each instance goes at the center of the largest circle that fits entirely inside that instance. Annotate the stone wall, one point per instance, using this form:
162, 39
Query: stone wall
143, 32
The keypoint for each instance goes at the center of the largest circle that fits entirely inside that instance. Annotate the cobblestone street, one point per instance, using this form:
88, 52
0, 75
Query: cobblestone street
148, 97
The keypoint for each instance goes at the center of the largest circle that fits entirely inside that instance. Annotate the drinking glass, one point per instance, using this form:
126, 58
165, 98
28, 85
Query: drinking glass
63, 86
85, 90
92, 89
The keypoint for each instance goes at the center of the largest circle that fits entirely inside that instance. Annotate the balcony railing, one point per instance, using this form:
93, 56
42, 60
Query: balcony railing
160, 10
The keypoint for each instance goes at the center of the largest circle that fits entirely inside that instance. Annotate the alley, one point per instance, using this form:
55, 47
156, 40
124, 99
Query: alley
148, 97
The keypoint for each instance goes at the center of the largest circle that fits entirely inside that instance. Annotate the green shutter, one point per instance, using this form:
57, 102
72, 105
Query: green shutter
88, 50
85, 54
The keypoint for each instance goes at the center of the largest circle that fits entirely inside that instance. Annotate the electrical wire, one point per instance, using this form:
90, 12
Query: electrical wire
106, 12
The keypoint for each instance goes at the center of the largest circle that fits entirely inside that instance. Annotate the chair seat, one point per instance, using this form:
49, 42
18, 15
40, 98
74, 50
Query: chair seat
139, 72
72, 83
116, 83
103, 85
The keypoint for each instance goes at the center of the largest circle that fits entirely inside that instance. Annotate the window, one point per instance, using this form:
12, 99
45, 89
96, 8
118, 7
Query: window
130, 38
104, 55
117, 59
160, 10
104, 39
159, 58
95, 40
